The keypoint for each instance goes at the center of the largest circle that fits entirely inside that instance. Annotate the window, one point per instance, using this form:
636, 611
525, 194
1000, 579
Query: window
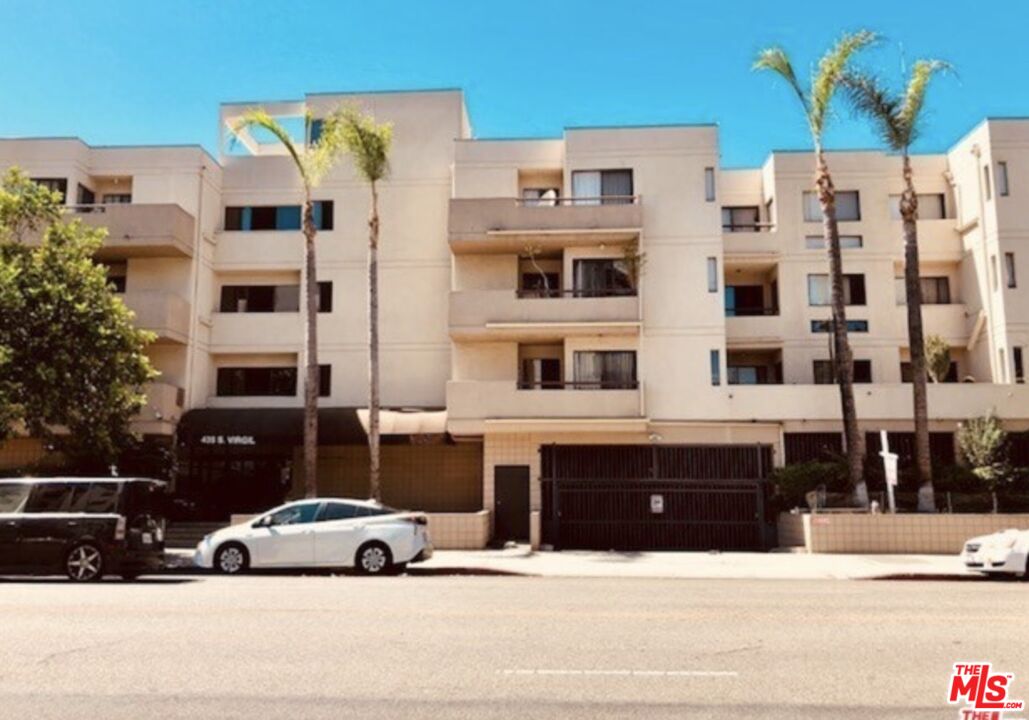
712, 274
51, 497
295, 514
338, 511
99, 497
746, 375
544, 373
58, 185
847, 242
117, 273
1009, 269
716, 368
325, 296
709, 184
986, 182
85, 196
1002, 179
824, 326
324, 380
819, 290
935, 290
1016, 355
117, 198
276, 217
906, 375
848, 206
316, 130
541, 197
745, 300
605, 369
533, 284
994, 274
601, 278
825, 372
930, 207
608, 187
741, 219
257, 381
13, 496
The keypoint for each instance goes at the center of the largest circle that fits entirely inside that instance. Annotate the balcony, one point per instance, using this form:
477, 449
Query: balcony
476, 400
161, 312
147, 230
259, 250
948, 321
746, 245
256, 332
938, 240
162, 410
507, 225
504, 315
755, 328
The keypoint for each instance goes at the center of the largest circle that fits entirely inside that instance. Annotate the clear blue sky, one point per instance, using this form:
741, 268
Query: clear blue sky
115, 72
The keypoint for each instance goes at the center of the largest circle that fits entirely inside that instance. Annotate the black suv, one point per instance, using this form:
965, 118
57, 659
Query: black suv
84, 527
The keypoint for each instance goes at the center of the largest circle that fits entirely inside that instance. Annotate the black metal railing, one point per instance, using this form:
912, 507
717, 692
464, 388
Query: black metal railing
748, 227
579, 201
578, 385
576, 292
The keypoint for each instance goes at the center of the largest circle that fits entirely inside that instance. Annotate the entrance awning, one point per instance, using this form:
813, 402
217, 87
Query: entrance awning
284, 426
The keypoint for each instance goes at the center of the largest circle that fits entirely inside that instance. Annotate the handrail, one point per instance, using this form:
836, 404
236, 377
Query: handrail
587, 200
578, 385
752, 227
576, 292
751, 312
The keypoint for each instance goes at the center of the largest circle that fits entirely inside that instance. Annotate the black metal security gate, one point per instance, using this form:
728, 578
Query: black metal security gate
661, 497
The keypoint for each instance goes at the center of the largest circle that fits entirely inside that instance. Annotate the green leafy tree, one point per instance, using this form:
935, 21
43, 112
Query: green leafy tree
937, 358
368, 143
897, 117
74, 365
312, 162
816, 100
982, 441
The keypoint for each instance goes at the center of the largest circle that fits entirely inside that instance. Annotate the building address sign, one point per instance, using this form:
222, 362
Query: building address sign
228, 440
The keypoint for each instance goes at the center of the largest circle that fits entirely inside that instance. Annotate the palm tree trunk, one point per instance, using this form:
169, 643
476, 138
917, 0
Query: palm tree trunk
311, 342
844, 361
916, 342
375, 491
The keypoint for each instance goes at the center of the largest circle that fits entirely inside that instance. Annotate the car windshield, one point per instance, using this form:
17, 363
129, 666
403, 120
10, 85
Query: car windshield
13, 497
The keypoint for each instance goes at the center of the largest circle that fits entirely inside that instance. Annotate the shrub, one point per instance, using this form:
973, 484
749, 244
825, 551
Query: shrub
792, 482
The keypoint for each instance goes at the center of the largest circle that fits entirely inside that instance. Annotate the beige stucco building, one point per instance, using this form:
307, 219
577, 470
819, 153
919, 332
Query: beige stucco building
612, 287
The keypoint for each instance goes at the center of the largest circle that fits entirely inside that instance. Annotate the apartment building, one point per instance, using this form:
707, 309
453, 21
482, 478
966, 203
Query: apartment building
571, 326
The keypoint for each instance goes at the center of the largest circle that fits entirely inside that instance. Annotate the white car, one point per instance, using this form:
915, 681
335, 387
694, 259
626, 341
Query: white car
1006, 551
320, 533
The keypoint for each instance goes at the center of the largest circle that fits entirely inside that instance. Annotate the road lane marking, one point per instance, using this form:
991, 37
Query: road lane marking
622, 673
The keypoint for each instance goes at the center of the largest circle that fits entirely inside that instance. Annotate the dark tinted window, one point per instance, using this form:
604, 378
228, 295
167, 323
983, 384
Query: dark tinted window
339, 511
13, 497
54, 185
324, 380
825, 374
277, 217
257, 381
325, 297
52, 497
95, 498
366, 511
296, 514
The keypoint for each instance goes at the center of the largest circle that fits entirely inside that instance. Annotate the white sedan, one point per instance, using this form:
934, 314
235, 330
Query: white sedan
320, 533
1006, 551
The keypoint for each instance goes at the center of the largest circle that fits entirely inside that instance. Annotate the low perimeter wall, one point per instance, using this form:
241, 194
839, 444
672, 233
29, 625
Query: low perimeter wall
940, 534
448, 531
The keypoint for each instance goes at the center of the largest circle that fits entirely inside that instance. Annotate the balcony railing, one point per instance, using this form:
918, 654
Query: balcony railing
578, 384
140, 230
751, 311
566, 201
748, 227
577, 292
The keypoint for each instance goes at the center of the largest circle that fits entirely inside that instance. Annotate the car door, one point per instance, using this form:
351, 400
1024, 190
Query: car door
47, 525
338, 533
12, 502
286, 539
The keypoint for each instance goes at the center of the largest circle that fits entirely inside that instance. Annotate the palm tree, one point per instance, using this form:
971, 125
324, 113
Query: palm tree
815, 101
312, 162
369, 144
896, 116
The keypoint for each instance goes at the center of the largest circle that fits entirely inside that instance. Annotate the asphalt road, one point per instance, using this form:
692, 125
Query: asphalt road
500, 647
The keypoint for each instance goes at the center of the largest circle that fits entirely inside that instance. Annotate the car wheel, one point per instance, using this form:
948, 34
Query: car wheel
84, 563
374, 558
231, 559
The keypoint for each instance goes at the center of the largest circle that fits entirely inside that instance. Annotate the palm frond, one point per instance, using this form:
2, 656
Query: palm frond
259, 118
869, 97
829, 72
776, 60
914, 96
367, 141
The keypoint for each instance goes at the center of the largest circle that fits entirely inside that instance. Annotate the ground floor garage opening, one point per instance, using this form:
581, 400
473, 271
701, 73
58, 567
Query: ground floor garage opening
655, 497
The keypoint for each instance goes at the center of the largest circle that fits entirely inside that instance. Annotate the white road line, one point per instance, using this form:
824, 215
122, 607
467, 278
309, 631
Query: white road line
623, 673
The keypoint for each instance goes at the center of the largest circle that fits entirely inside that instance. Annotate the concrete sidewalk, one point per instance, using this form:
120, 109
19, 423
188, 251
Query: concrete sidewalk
522, 560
